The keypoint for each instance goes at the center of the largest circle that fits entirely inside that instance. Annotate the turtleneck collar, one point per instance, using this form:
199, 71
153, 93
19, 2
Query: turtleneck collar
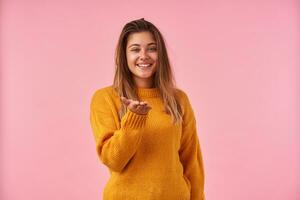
148, 92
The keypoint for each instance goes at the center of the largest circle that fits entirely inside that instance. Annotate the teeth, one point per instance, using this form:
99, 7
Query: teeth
143, 65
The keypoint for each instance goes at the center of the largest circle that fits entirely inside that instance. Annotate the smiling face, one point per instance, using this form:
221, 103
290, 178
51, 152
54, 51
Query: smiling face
141, 54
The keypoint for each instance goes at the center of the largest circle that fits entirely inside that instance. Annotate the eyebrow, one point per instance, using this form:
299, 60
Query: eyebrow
139, 45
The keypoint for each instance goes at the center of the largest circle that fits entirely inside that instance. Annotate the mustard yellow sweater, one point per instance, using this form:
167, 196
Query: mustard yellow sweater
148, 157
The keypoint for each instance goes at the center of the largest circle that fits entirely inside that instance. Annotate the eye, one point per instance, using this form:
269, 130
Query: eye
134, 49
152, 48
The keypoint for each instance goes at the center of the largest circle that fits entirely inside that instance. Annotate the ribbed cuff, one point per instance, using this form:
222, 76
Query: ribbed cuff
132, 120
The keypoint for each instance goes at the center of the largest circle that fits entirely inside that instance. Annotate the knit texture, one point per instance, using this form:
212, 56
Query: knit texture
148, 157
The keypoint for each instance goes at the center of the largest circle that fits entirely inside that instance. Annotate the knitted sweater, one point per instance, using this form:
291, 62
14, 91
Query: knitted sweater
148, 157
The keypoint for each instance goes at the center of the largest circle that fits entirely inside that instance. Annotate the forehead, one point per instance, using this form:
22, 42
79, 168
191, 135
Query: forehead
140, 38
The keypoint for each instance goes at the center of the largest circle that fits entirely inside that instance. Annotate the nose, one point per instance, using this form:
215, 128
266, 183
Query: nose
143, 54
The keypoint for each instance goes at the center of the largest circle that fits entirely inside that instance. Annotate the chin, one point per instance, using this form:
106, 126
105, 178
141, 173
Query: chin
146, 76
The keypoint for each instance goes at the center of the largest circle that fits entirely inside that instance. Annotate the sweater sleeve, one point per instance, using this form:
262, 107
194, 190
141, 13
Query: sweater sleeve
115, 147
190, 153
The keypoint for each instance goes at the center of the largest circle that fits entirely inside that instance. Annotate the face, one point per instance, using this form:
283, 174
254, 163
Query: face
141, 53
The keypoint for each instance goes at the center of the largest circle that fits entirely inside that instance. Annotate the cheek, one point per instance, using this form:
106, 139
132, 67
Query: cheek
131, 59
154, 56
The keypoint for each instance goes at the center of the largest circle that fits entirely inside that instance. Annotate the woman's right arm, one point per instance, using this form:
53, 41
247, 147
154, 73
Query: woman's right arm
115, 147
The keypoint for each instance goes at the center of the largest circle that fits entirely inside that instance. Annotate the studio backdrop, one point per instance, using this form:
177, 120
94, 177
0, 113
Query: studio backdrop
237, 60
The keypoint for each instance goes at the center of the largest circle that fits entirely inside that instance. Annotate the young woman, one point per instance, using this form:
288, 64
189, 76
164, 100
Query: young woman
144, 127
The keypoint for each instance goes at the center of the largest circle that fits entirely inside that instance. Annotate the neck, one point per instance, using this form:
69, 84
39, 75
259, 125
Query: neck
144, 83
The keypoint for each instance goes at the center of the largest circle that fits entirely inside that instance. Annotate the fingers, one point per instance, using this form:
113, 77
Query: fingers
129, 102
125, 101
143, 103
136, 106
143, 108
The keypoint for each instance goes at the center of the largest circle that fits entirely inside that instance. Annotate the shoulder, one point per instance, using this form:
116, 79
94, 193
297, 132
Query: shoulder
185, 103
107, 90
182, 95
103, 95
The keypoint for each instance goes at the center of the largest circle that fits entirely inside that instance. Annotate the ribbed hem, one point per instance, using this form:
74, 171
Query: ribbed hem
132, 120
148, 92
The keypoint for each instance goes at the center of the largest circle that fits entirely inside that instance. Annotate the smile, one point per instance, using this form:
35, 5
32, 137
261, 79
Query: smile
144, 66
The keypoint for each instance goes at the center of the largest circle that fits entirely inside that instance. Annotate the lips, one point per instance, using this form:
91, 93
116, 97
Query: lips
144, 65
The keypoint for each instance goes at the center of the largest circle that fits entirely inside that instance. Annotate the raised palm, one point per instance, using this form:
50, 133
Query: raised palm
139, 107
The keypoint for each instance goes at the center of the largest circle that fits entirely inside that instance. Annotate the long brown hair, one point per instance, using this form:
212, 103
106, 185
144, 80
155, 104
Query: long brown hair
163, 77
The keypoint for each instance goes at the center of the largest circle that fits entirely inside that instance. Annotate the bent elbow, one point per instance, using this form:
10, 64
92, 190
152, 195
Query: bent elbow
113, 165
116, 164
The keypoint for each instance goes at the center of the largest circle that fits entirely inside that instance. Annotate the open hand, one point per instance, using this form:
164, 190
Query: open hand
141, 108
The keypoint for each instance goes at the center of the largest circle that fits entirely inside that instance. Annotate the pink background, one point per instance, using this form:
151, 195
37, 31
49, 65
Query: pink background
237, 60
